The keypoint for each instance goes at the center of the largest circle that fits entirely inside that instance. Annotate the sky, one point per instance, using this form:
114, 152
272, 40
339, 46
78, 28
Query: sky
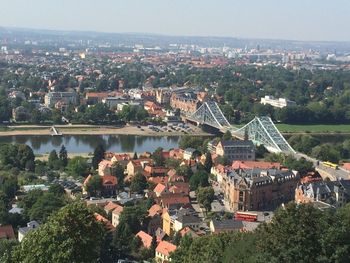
310, 20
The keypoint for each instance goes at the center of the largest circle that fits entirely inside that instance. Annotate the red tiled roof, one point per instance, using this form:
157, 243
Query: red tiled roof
159, 188
7, 232
105, 221
155, 209
165, 248
110, 206
145, 238
109, 180
254, 164
157, 179
172, 199
346, 166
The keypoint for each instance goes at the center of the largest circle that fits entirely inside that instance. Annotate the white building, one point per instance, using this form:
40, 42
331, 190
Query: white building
22, 231
278, 103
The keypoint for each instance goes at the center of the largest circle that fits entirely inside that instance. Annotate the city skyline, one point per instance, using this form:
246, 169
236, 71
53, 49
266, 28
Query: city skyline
305, 21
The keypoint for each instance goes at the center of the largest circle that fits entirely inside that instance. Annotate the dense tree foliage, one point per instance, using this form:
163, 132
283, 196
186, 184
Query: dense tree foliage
297, 233
71, 235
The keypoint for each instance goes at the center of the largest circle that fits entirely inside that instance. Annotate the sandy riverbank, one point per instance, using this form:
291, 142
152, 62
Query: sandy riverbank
95, 130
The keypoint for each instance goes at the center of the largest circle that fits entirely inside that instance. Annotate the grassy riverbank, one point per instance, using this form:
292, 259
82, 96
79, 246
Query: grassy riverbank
317, 128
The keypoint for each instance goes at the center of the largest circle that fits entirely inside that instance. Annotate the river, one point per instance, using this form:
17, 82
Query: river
42, 144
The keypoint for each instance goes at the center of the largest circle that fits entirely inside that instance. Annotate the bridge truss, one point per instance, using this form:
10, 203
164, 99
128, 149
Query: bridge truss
210, 113
261, 130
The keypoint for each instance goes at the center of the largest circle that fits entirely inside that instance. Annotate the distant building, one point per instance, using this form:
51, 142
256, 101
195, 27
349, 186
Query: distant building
22, 231
184, 102
236, 150
277, 103
52, 98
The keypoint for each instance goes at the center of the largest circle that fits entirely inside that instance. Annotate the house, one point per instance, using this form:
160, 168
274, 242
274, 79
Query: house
189, 232
159, 189
189, 153
109, 226
163, 251
334, 193
109, 185
236, 150
136, 166
155, 218
185, 219
109, 207
22, 231
227, 225
154, 171
220, 171
106, 167
277, 103
145, 238
176, 154
174, 201
6, 232
116, 215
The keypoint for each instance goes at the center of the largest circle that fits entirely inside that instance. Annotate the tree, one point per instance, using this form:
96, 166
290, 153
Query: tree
119, 173
205, 196
63, 156
94, 185
6, 247
227, 136
77, 166
57, 189
299, 225
208, 162
53, 160
199, 179
138, 183
71, 235
99, 154
184, 171
158, 157
135, 157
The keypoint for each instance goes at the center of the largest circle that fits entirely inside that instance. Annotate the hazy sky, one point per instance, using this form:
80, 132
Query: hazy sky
282, 19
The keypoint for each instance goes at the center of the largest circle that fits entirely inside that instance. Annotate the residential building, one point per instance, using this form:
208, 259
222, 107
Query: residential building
116, 215
52, 98
236, 150
105, 221
189, 153
258, 189
22, 231
145, 238
335, 193
163, 251
277, 103
186, 219
6, 232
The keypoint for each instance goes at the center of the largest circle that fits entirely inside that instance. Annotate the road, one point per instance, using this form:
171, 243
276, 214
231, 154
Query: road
333, 174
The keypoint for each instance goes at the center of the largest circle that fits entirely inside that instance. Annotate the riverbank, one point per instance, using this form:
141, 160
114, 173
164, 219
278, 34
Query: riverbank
97, 130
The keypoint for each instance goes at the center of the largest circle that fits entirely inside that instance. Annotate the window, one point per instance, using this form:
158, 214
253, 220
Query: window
241, 196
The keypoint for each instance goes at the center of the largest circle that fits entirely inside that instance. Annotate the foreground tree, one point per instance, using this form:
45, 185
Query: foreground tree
63, 156
71, 235
99, 154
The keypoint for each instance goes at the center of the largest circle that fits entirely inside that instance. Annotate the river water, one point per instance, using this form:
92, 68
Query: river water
42, 144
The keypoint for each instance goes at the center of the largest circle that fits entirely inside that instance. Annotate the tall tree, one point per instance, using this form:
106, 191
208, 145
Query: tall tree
208, 162
63, 155
99, 154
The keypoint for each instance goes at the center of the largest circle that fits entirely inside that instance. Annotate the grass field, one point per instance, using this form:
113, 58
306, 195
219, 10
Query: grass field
317, 128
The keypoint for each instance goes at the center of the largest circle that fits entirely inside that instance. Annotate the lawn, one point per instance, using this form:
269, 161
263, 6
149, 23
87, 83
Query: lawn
317, 128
